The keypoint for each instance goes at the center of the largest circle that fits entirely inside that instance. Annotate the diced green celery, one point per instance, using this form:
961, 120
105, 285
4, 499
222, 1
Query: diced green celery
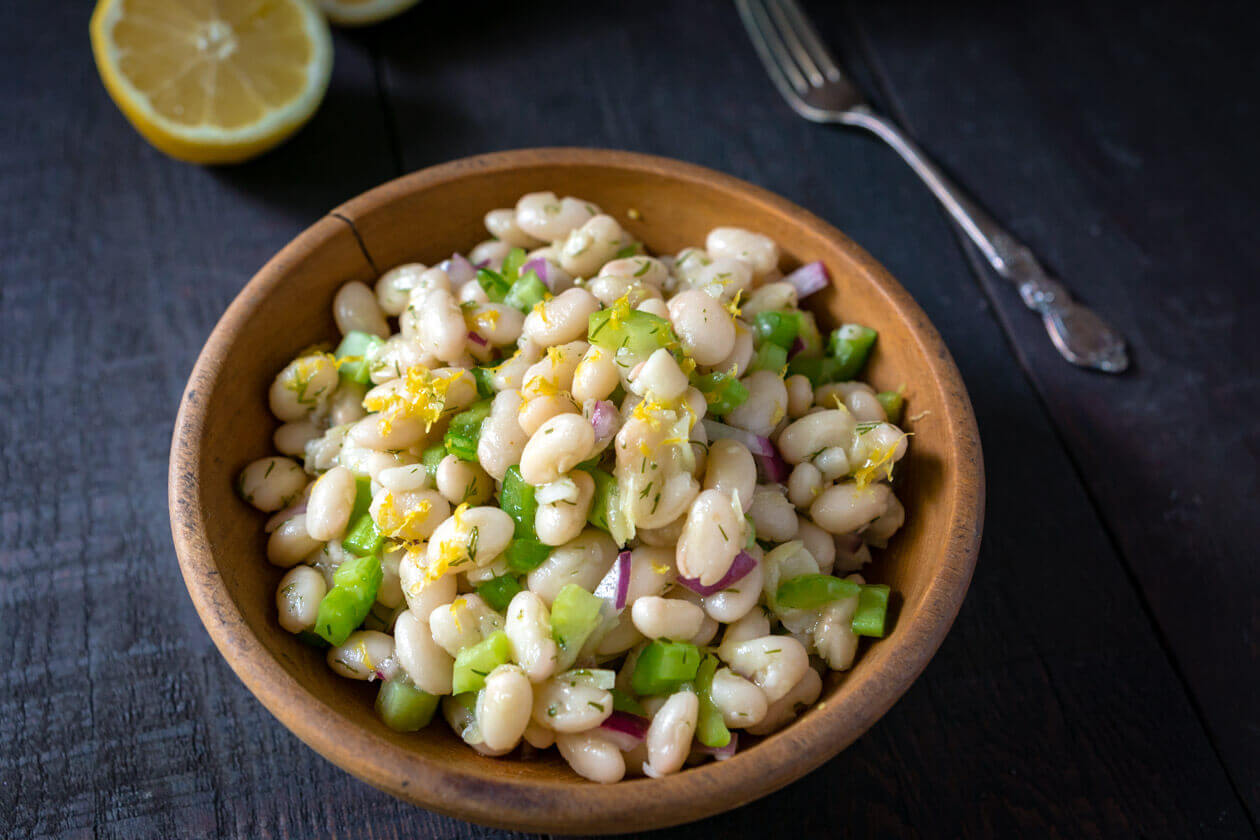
356, 345
607, 500
353, 592
872, 610
499, 592
516, 497
362, 497
894, 402
809, 592
511, 269
778, 326
818, 370
526, 292
769, 357
636, 334
723, 392
475, 662
431, 458
403, 707
664, 666
525, 554
623, 702
363, 537
485, 388
850, 346
464, 432
710, 728
493, 283
811, 338
575, 615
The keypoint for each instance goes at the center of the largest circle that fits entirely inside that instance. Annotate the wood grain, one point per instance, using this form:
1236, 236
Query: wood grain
1142, 172
1051, 708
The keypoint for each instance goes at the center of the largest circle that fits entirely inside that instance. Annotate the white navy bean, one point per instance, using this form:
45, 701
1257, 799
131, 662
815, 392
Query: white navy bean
772, 515
547, 218
775, 663
298, 597
291, 543
670, 733
528, 629
820, 544
759, 251
292, 438
365, 655
583, 561
765, 406
713, 535
331, 501
704, 327
393, 289
666, 618
558, 446
461, 481
501, 224
424, 594
271, 484
846, 507
304, 385
356, 308
566, 706
503, 707
737, 600
740, 701
592, 757
561, 521
784, 710
426, 663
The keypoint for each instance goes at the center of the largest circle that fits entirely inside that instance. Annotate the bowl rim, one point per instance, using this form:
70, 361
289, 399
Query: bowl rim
544, 805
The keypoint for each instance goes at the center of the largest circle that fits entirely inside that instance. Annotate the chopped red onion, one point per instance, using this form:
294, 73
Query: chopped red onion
772, 469
740, 566
280, 517
483, 264
615, 587
458, 269
809, 278
625, 730
756, 444
538, 265
476, 339
797, 346
604, 420
719, 753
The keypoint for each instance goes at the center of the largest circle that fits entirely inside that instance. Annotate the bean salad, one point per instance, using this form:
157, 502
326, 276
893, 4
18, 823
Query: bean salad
560, 492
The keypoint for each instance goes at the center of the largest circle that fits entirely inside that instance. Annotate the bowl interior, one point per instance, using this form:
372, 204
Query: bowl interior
224, 424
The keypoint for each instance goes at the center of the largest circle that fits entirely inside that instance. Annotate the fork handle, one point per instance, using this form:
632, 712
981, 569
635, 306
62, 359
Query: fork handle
1078, 333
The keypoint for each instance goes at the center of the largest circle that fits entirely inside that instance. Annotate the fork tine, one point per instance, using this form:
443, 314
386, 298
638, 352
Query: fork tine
775, 55
803, 31
799, 52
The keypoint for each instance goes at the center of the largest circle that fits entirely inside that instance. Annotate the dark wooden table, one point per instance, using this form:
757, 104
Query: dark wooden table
1103, 678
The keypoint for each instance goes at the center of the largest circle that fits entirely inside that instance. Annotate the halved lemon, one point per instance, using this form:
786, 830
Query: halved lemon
213, 81
363, 12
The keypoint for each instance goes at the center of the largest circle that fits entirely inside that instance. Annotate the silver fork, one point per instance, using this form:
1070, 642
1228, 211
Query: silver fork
817, 89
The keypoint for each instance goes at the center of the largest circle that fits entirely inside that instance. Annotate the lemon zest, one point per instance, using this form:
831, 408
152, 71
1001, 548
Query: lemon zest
421, 395
733, 306
876, 459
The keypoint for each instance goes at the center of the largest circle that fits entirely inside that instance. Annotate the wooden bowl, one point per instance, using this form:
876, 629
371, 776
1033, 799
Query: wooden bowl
224, 423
